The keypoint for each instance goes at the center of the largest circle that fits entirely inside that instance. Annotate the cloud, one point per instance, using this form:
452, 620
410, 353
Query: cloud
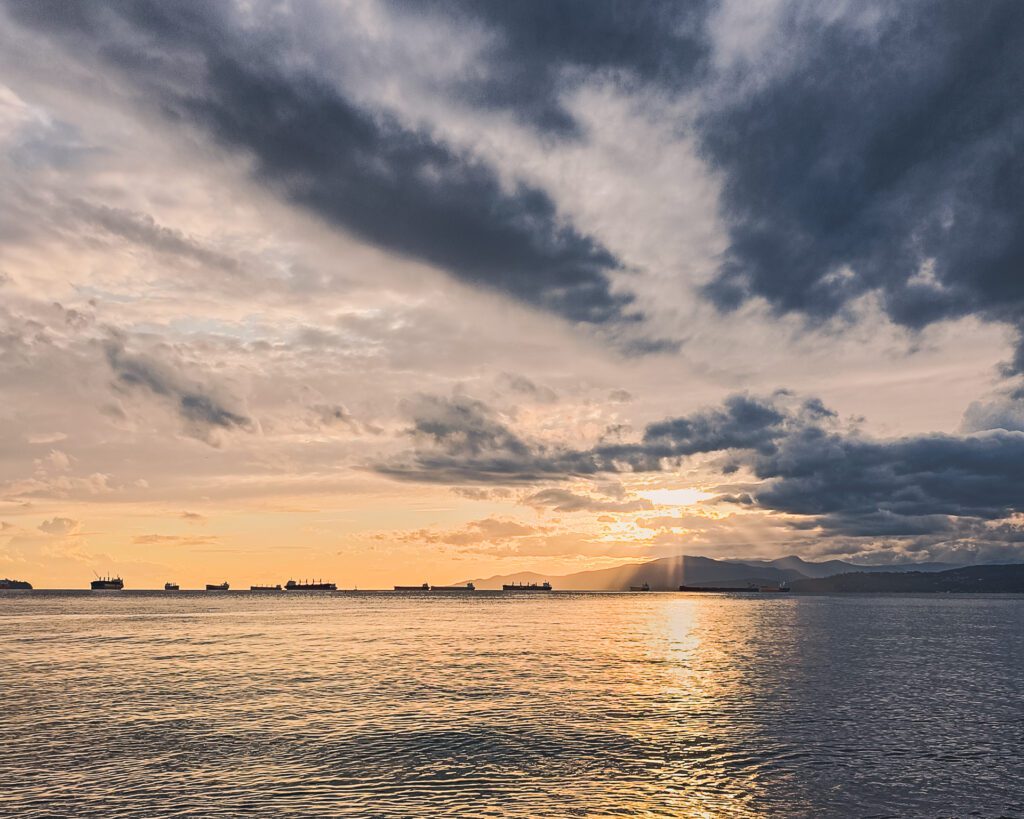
141, 229
59, 527
521, 385
561, 500
806, 465
396, 187
881, 158
1002, 413
201, 412
462, 440
538, 51
337, 415
175, 540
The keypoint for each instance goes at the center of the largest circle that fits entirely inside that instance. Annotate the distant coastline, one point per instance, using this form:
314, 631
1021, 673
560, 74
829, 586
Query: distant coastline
692, 573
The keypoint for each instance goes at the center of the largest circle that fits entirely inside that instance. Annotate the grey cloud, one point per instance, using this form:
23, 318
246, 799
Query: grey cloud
815, 472
882, 161
1005, 412
562, 500
461, 440
524, 386
200, 410
142, 229
59, 526
540, 49
808, 466
394, 187
334, 415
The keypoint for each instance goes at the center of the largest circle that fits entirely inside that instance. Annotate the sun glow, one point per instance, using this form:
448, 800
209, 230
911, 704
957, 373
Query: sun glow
675, 497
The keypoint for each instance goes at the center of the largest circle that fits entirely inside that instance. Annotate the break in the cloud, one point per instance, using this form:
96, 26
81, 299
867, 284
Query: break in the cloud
247, 246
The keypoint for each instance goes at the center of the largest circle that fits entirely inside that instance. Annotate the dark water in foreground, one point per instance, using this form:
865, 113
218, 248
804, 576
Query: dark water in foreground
153, 705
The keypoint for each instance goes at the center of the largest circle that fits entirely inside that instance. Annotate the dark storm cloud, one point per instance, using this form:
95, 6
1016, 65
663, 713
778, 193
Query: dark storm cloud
886, 159
818, 472
461, 439
541, 47
742, 422
395, 187
882, 157
807, 465
197, 407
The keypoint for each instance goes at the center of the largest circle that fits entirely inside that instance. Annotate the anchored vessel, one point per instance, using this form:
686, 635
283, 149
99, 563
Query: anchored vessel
468, 587
107, 584
527, 587
424, 587
644, 587
782, 587
10, 585
171, 587
265, 588
319, 585
218, 586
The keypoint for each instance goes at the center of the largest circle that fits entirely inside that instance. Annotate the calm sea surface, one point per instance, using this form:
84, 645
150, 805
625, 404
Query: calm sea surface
362, 704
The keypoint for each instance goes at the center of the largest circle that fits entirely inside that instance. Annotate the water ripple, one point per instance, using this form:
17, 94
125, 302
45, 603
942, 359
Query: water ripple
143, 705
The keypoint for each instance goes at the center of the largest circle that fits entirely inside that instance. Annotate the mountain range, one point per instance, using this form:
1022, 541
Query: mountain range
669, 573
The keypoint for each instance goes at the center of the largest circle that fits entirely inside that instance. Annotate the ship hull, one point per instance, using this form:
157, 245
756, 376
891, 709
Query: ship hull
107, 586
15, 585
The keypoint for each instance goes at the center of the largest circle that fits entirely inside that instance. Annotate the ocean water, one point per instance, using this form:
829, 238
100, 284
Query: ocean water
361, 704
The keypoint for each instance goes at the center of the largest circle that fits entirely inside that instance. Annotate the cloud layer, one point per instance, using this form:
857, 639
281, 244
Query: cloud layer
394, 283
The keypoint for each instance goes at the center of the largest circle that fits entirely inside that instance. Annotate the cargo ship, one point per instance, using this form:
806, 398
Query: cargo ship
319, 585
171, 587
14, 585
468, 587
644, 587
107, 584
782, 587
265, 588
527, 587
424, 587
218, 586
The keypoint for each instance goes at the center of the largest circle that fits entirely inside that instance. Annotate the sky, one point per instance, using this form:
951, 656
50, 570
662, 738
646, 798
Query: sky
392, 292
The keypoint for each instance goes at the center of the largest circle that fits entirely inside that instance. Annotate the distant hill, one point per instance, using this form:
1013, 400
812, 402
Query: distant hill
827, 568
669, 573
664, 574
979, 579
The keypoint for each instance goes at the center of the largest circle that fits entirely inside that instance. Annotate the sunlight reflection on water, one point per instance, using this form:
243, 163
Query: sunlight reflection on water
135, 704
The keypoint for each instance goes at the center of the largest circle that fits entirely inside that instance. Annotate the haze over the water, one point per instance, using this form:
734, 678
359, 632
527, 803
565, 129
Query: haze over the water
391, 292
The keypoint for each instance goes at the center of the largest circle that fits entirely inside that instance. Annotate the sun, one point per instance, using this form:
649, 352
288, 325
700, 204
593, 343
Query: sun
675, 497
